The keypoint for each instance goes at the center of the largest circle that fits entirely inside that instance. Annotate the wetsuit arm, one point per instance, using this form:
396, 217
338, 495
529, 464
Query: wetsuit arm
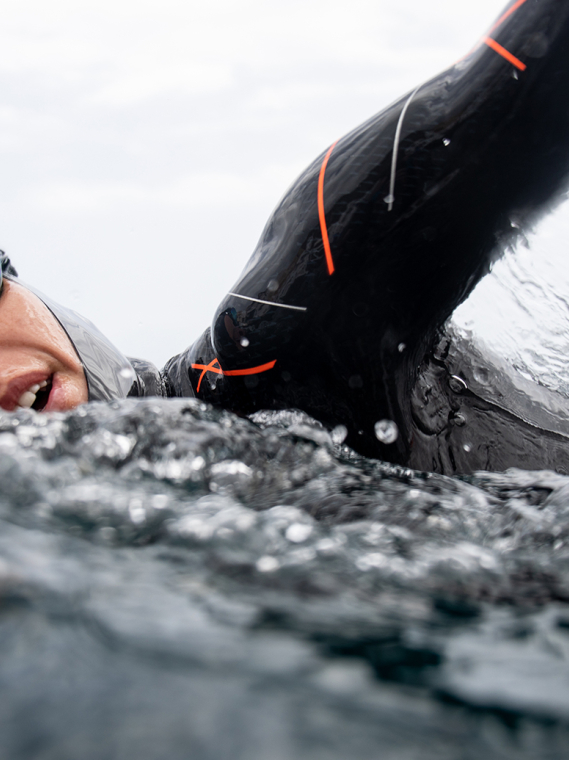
382, 237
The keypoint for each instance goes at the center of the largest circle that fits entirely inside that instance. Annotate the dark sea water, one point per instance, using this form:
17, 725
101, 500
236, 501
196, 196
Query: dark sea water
176, 582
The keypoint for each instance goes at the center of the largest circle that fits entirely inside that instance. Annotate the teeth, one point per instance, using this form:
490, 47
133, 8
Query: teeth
28, 398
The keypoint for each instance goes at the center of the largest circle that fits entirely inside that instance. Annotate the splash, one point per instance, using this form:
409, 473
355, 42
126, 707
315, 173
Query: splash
176, 581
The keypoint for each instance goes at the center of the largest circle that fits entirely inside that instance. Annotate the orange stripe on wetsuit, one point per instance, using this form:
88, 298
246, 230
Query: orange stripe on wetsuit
504, 16
321, 215
495, 45
231, 372
504, 53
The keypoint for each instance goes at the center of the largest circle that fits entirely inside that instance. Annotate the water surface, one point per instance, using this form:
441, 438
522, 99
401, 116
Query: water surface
177, 582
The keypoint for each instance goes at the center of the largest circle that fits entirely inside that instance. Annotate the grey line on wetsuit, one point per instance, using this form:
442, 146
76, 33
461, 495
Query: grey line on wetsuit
391, 197
268, 303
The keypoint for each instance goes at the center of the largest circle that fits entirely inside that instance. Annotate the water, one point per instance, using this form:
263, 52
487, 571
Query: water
521, 309
177, 582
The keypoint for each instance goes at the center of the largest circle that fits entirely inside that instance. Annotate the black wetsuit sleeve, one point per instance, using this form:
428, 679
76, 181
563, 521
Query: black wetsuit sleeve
176, 376
379, 240
148, 380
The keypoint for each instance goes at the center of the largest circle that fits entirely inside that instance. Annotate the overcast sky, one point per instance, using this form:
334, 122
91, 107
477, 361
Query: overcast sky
144, 144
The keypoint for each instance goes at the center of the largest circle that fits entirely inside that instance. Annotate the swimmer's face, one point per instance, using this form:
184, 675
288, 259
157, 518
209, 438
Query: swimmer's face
38, 364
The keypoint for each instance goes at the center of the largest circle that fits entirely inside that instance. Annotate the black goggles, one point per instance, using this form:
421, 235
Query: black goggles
5, 268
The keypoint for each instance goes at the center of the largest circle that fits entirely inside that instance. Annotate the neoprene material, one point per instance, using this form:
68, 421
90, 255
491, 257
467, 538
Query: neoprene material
341, 307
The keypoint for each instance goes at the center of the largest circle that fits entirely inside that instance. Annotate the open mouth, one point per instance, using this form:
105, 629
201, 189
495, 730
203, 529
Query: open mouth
36, 396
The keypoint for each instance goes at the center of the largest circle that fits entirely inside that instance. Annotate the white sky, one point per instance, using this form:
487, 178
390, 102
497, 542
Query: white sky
144, 144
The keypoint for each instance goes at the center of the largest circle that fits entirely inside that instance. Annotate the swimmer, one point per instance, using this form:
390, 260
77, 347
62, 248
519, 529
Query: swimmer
343, 309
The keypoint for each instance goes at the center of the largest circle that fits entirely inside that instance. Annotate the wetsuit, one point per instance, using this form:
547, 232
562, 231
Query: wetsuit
341, 310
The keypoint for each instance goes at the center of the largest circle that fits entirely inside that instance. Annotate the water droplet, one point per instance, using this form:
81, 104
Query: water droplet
298, 532
481, 374
272, 285
457, 384
467, 447
339, 434
244, 342
386, 431
159, 501
136, 511
441, 350
266, 564
446, 142
389, 198
401, 347
515, 74
127, 373
198, 463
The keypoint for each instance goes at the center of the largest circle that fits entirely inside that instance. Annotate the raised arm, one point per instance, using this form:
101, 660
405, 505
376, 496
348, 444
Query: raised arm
380, 239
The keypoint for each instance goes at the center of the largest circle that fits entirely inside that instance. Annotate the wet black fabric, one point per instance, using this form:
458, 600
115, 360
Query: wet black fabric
341, 310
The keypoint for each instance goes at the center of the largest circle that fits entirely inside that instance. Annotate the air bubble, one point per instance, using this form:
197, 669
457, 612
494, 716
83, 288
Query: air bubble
467, 447
267, 564
389, 198
198, 463
298, 532
159, 501
136, 511
446, 142
272, 285
386, 431
244, 342
401, 347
